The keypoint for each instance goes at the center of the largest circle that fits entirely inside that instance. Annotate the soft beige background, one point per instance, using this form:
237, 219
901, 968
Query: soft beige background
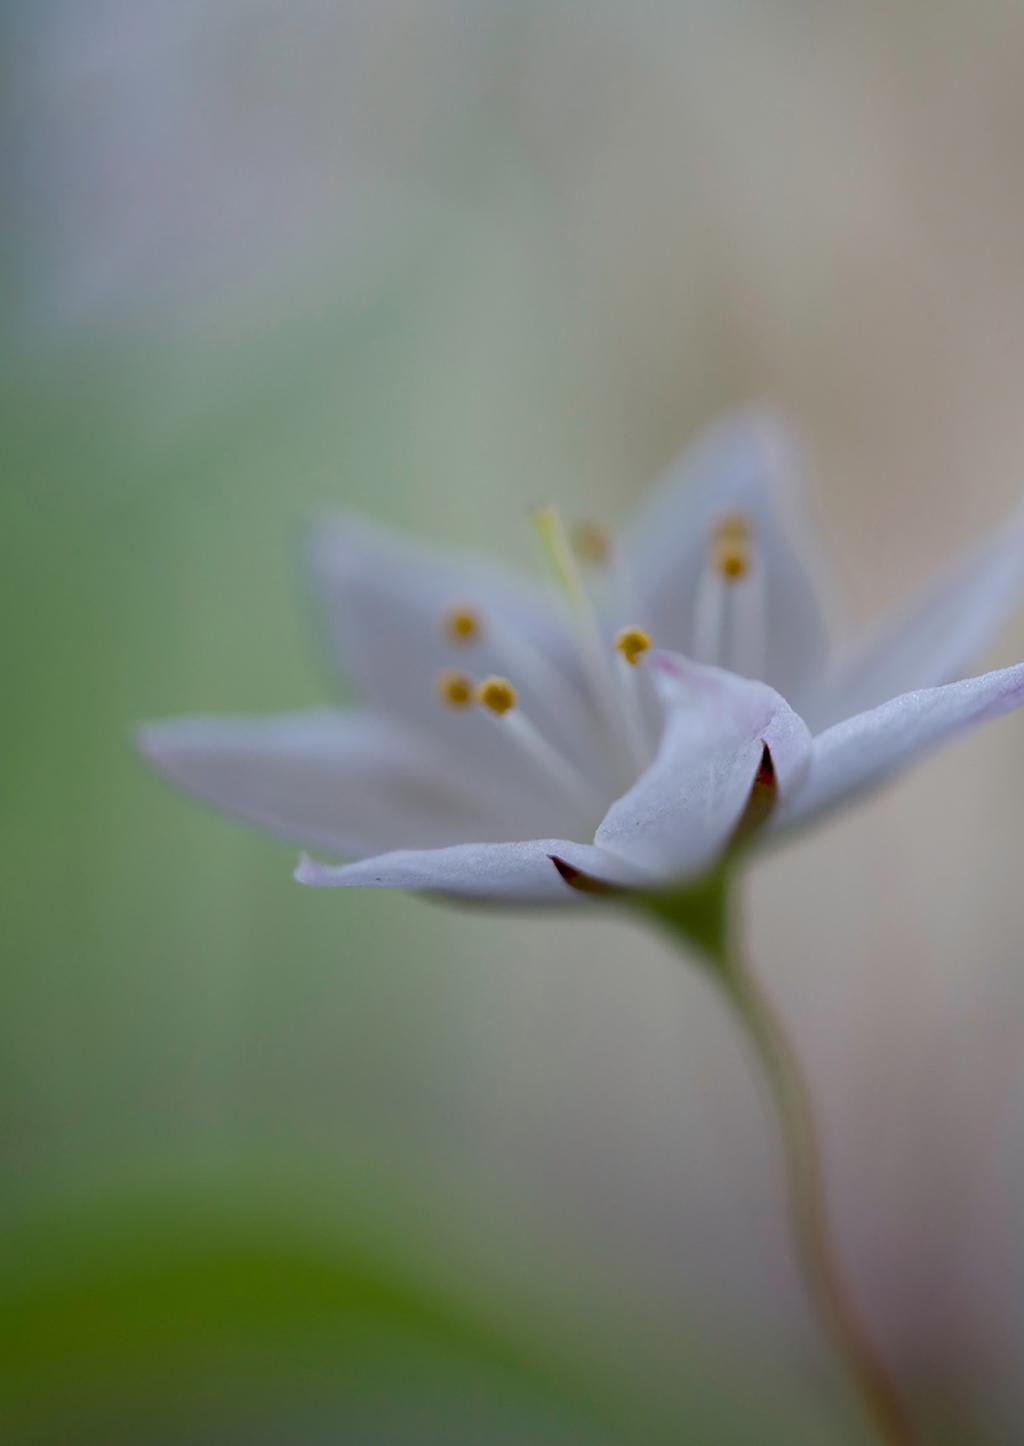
438, 261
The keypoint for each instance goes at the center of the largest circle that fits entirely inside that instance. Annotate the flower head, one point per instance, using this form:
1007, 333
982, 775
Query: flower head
673, 696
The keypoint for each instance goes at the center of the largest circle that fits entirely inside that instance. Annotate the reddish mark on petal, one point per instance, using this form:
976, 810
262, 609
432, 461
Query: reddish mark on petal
578, 880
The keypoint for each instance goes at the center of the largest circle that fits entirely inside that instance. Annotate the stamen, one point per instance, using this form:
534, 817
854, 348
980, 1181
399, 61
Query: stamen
591, 543
497, 695
632, 643
732, 558
732, 546
537, 671
453, 688
461, 625
553, 538
727, 628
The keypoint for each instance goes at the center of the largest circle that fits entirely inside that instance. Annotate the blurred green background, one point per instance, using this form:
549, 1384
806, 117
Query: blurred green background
288, 1166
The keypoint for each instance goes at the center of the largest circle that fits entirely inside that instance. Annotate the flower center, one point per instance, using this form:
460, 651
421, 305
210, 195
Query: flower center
725, 630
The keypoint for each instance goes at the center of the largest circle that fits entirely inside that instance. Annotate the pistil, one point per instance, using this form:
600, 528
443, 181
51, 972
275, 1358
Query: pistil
596, 658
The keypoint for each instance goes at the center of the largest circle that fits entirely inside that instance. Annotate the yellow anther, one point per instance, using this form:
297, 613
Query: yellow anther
732, 546
632, 643
591, 543
461, 625
454, 688
732, 558
496, 694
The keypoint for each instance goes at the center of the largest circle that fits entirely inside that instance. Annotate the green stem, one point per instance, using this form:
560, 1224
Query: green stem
809, 1208
701, 917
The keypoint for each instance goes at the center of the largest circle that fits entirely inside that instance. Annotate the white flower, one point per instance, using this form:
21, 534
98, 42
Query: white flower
677, 695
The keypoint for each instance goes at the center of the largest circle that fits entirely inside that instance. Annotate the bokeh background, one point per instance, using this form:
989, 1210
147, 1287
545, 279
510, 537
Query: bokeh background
293, 1167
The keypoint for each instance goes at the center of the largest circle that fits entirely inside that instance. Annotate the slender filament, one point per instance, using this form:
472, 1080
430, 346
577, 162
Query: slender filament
597, 661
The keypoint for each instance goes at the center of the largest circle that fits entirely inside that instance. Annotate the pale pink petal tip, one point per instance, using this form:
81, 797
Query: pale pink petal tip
308, 871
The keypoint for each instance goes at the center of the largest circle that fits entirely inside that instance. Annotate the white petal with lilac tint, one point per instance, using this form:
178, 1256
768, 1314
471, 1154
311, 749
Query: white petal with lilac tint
385, 601
682, 812
352, 783
512, 873
864, 750
745, 466
500, 716
933, 638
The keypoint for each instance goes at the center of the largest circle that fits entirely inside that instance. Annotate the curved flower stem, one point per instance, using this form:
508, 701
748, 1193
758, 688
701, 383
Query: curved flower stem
808, 1205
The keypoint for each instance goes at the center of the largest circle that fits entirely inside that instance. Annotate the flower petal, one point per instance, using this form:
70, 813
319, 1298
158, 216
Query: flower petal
935, 636
745, 464
487, 872
863, 750
353, 783
385, 600
681, 813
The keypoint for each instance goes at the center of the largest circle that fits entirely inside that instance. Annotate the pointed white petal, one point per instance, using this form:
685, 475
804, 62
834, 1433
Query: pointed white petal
936, 636
495, 873
385, 598
745, 464
353, 783
682, 811
863, 750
